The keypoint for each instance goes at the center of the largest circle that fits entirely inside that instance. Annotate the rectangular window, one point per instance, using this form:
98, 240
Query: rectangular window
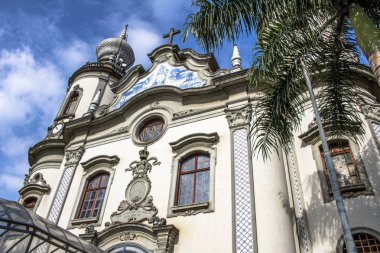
344, 163
93, 197
193, 180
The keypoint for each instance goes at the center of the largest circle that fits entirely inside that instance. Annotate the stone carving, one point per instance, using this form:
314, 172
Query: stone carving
36, 183
371, 111
127, 236
74, 156
154, 104
120, 129
163, 58
137, 205
239, 117
185, 112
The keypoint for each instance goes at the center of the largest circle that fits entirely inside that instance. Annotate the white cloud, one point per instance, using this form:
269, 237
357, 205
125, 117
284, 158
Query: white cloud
143, 41
28, 89
10, 183
74, 55
16, 146
29, 97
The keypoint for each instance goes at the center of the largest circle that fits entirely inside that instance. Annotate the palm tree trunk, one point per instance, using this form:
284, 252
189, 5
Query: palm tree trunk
367, 36
330, 169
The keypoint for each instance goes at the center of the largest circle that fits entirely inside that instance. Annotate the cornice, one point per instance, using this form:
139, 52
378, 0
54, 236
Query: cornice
41, 189
210, 139
111, 160
96, 67
47, 146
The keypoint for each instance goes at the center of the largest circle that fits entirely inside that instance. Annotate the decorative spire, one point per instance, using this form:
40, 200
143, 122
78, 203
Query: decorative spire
236, 60
123, 34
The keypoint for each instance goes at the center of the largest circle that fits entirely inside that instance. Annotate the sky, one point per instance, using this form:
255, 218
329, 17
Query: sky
43, 42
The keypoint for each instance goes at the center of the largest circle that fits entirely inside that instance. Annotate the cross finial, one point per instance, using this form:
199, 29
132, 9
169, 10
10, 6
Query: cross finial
170, 35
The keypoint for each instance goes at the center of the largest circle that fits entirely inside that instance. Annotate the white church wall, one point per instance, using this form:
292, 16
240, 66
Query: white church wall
274, 217
193, 228
324, 226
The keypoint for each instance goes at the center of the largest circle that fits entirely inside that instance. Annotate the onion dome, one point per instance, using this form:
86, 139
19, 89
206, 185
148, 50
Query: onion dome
116, 50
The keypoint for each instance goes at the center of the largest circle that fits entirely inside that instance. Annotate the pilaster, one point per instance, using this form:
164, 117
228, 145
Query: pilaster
72, 159
244, 222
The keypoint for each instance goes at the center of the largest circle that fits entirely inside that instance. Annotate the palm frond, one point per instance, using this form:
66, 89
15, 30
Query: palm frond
218, 20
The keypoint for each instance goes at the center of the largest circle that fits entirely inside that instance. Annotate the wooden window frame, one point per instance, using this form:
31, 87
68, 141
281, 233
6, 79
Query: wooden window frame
194, 172
149, 124
346, 149
97, 190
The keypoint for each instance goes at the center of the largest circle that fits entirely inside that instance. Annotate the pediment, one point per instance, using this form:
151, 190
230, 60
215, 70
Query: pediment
182, 69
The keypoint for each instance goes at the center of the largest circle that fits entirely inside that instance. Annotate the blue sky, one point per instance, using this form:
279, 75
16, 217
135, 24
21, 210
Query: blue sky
43, 42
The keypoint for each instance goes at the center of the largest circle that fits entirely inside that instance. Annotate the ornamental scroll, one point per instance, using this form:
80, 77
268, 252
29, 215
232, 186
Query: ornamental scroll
138, 205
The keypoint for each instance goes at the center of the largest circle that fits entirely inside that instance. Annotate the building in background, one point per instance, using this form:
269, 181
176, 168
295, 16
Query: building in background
160, 160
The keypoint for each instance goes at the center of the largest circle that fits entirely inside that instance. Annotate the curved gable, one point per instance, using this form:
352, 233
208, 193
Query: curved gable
183, 69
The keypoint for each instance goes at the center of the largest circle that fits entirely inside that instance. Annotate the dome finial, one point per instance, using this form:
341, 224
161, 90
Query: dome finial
123, 34
236, 60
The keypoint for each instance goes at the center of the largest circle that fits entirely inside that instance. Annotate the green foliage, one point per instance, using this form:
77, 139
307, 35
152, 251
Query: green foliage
318, 31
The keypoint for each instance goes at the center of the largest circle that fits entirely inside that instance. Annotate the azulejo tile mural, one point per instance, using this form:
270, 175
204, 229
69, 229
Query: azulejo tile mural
164, 74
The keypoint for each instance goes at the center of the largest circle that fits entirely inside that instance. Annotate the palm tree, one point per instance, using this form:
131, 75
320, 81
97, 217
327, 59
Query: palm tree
293, 38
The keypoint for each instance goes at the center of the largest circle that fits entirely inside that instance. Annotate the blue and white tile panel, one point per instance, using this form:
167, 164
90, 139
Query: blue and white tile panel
164, 74
243, 199
297, 188
61, 195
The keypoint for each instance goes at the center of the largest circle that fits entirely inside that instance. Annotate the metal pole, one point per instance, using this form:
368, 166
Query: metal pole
330, 168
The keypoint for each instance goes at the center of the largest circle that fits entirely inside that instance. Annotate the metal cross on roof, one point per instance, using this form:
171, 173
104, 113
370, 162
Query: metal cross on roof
170, 35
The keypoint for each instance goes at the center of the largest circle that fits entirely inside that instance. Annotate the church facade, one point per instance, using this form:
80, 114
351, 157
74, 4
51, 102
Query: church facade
160, 160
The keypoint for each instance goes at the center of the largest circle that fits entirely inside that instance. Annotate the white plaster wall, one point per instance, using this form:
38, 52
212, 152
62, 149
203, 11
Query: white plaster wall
214, 228
322, 218
273, 213
88, 84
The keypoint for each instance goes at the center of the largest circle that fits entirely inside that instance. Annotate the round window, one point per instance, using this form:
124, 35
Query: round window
151, 130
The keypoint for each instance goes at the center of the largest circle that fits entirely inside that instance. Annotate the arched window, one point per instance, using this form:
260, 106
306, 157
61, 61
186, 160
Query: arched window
93, 197
193, 180
151, 130
365, 243
72, 103
30, 203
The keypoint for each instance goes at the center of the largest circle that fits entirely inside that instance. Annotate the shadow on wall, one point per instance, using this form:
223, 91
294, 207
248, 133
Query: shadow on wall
363, 211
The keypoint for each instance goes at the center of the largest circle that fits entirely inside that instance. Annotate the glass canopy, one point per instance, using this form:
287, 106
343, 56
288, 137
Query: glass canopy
25, 231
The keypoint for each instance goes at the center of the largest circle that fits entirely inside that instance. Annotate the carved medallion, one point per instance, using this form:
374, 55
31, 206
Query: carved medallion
137, 206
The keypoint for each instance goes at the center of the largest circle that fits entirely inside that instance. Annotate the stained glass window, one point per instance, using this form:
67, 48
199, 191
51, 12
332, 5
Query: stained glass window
71, 104
193, 180
344, 163
365, 243
151, 130
93, 197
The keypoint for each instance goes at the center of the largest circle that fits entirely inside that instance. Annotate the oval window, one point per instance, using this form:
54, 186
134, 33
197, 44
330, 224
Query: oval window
151, 130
